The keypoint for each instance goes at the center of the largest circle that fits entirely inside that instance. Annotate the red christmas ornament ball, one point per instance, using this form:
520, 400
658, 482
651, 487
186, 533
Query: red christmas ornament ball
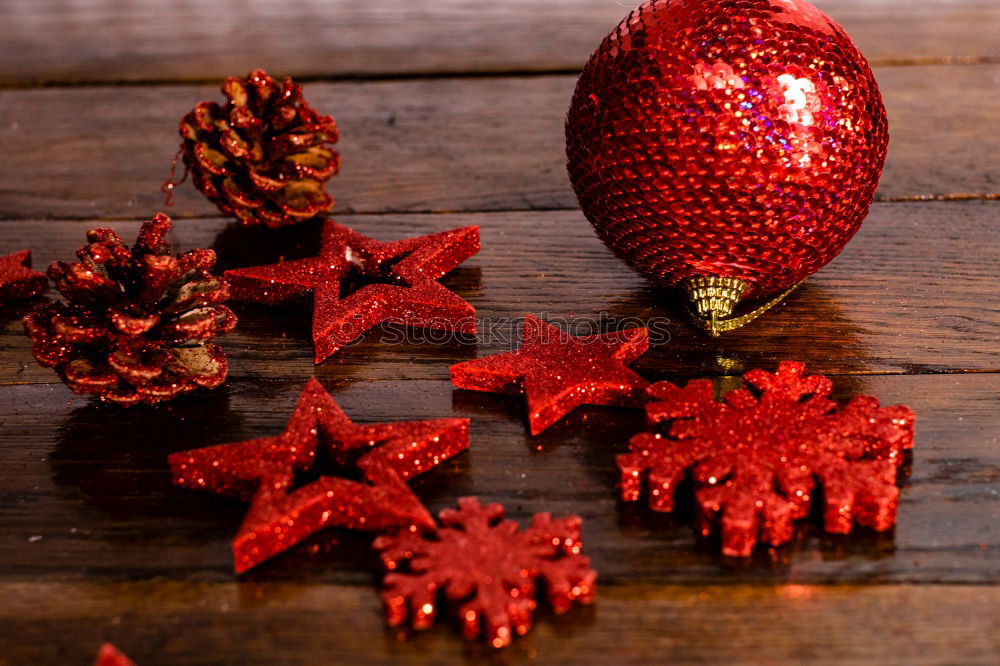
726, 138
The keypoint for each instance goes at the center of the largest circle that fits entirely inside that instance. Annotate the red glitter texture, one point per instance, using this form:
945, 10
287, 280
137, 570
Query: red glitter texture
755, 459
740, 139
394, 281
487, 569
17, 280
263, 470
136, 325
558, 372
265, 156
109, 655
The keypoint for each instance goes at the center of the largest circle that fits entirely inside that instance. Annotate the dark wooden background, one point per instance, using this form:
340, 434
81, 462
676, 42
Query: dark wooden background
451, 113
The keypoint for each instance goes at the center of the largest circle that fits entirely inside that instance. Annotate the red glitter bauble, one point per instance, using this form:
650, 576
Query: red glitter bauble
741, 139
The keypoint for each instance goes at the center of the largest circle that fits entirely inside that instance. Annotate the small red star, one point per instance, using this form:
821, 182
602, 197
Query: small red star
558, 372
263, 471
395, 281
17, 280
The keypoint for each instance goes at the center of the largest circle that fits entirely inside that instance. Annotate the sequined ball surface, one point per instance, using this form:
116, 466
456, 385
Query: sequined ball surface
730, 138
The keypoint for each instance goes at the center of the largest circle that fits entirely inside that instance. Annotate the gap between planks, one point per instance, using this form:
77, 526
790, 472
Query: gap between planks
257, 379
917, 198
417, 76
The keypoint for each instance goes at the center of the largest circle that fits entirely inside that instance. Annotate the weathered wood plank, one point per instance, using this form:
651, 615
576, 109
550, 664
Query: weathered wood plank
911, 293
171, 623
87, 493
105, 40
432, 145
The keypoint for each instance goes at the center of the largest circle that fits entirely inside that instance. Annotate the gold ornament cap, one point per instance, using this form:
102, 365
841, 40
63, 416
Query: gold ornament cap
712, 300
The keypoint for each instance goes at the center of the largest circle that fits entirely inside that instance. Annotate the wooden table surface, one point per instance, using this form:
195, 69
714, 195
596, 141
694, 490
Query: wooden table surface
451, 114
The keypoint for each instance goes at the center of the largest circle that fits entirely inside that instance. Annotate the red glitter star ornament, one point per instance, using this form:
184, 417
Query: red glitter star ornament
557, 372
263, 471
358, 282
756, 458
487, 568
17, 280
109, 655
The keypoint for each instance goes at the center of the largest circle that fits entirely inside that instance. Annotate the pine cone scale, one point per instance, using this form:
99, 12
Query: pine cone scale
84, 377
211, 161
130, 325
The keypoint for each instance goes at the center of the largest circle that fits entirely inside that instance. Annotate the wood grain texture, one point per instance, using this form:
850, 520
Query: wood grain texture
913, 292
87, 494
434, 145
107, 40
278, 624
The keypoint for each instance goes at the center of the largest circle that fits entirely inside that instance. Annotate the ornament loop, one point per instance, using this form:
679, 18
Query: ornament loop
712, 300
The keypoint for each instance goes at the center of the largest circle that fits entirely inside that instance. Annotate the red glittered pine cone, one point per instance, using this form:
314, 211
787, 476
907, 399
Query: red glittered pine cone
136, 324
265, 156
728, 148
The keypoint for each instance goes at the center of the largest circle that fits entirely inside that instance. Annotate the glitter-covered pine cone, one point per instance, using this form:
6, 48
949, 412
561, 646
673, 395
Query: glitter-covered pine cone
136, 324
265, 156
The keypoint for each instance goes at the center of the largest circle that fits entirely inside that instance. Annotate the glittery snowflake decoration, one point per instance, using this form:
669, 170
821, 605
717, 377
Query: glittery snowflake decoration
756, 458
487, 568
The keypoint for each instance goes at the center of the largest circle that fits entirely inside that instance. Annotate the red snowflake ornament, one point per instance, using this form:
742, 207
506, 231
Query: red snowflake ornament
17, 280
358, 282
756, 459
487, 568
557, 372
109, 655
263, 471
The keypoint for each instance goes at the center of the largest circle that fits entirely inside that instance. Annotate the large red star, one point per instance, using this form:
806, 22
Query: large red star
558, 372
17, 280
263, 471
396, 281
